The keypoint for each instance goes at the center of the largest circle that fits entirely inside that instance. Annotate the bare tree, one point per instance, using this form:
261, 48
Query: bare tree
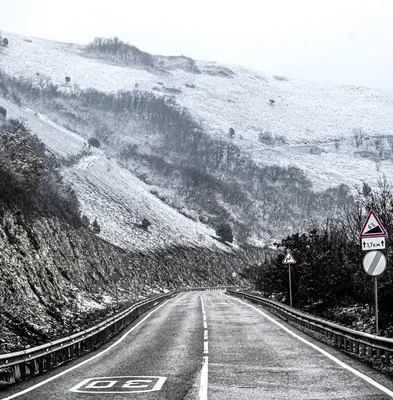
358, 135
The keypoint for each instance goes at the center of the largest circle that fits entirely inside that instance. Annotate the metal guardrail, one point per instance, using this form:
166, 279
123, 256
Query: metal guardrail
211, 288
22, 365
28, 363
360, 344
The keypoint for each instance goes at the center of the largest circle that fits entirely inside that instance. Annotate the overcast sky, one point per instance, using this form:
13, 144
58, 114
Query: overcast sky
342, 41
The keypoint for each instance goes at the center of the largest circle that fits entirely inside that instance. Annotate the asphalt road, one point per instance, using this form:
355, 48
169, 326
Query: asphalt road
208, 345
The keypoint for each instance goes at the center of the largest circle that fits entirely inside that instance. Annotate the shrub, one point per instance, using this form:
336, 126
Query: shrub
145, 223
266, 138
231, 132
5, 42
224, 232
16, 127
94, 142
67, 79
3, 113
271, 101
95, 227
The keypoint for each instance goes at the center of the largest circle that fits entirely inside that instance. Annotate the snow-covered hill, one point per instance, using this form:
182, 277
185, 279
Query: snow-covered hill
304, 116
110, 193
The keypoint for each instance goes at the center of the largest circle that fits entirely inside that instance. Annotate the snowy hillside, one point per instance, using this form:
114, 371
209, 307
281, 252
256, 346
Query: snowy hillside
304, 114
113, 195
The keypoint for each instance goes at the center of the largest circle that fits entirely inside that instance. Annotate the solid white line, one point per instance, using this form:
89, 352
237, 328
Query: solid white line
204, 379
325, 353
205, 367
83, 362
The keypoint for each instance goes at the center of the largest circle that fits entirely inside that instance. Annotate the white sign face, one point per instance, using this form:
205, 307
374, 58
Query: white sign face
234, 274
376, 243
374, 263
289, 259
120, 384
373, 226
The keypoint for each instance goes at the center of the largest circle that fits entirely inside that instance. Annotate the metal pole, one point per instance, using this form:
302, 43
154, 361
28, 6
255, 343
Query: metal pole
117, 297
376, 305
290, 285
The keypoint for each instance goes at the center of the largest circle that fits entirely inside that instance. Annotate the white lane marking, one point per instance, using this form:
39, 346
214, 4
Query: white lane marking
120, 384
206, 347
204, 379
325, 353
13, 396
205, 366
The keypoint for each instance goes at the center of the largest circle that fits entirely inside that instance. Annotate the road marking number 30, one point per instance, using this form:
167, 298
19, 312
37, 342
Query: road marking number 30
120, 384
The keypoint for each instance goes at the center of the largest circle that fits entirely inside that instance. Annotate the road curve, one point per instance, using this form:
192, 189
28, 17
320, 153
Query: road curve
208, 345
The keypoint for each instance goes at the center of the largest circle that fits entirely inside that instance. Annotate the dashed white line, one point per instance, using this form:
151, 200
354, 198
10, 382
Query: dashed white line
205, 366
325, 353
206, 347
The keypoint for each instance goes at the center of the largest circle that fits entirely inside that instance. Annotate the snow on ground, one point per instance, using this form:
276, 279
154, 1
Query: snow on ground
303, 112
64, 142
120, 201
114, 196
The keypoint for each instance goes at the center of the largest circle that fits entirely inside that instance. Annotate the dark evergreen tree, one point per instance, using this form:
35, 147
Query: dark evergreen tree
94, 142
224, 232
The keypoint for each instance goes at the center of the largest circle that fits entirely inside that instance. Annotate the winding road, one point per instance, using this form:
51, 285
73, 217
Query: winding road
208, 345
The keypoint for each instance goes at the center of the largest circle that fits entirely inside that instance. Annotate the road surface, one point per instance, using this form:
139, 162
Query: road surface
208, 345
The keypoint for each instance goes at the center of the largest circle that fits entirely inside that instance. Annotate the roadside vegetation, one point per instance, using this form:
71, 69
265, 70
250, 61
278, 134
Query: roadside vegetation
328, 279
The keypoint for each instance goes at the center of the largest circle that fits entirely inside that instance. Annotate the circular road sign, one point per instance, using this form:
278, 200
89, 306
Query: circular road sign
234, 274
374, 263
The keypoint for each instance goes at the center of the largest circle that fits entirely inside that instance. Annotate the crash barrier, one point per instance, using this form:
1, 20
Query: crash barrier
360, 344
28, 363
213, 288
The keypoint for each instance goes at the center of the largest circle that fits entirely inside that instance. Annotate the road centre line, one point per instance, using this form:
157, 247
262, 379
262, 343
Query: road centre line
205, 347
205, 365
325, 353
29, 389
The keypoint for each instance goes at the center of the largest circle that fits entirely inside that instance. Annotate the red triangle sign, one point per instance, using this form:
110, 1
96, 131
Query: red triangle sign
289, 259
373, 227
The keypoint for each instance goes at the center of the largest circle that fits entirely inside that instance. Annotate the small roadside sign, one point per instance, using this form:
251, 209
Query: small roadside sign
289, 258
234, 274
372, 227
374, 263
373, 243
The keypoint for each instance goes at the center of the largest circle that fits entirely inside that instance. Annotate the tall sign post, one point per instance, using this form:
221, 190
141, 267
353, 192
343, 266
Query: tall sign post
289, 260
373, 236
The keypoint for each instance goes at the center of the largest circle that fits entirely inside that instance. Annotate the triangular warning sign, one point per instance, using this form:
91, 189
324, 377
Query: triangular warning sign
373, 227
289, 259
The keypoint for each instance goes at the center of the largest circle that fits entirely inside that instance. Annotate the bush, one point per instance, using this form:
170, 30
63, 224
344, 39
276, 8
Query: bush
94, 142
67, 79
231, 132
266, 138
145, 223
95, 227
224, 232
5, 42
3, 113
271, 101
16, 127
